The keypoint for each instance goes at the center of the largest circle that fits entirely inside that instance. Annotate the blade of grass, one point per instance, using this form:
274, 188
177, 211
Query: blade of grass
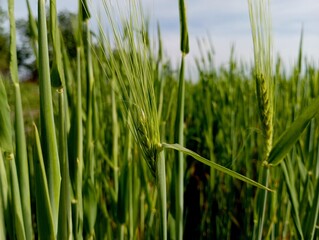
33, 30
16, 197
21, 148
89, 148
48, 134
55, 36
44, 211
22, 164
6, 145
312, 219
76, 136
218, 167
89, 207
262, 203
75, 154
5, 125
89, 192
122, 197
13, 48
292, 193
290, 136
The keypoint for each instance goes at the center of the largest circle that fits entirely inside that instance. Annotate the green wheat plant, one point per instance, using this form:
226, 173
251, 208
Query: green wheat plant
179, 124
260, 18
259, 12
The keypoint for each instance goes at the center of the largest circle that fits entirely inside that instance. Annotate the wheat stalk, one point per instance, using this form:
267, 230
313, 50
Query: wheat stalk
259, 12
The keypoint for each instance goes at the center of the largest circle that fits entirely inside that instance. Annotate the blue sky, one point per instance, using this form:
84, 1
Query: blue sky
227, 24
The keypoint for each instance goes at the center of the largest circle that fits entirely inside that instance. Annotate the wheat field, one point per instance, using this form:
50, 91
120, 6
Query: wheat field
116, 144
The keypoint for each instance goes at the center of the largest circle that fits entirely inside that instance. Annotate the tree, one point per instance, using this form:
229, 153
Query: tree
26, 57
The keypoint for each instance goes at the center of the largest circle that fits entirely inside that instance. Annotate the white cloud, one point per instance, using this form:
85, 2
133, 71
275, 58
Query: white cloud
227, 21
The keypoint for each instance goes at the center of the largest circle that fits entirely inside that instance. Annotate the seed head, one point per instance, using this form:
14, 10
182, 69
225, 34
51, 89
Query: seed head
259, 13
146, 133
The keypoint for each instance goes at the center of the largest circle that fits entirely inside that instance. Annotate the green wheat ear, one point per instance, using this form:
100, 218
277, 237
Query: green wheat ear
147, 136
265, 110
259, 12
133, 69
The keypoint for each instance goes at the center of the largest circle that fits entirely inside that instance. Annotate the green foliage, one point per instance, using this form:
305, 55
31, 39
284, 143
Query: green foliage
293, 133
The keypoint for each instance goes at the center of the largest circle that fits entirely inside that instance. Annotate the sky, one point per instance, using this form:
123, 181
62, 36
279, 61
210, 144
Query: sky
226, 23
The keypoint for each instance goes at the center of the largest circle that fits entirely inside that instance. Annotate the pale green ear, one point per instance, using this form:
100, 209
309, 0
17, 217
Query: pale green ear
260, 21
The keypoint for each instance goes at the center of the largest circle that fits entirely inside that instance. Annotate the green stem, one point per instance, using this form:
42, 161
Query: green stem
64, 210
115, 129
262, 203
45, 224
179, 138
90, 157
130, 186
161, 181
22, 163
79, 161
16, 198
179, 124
